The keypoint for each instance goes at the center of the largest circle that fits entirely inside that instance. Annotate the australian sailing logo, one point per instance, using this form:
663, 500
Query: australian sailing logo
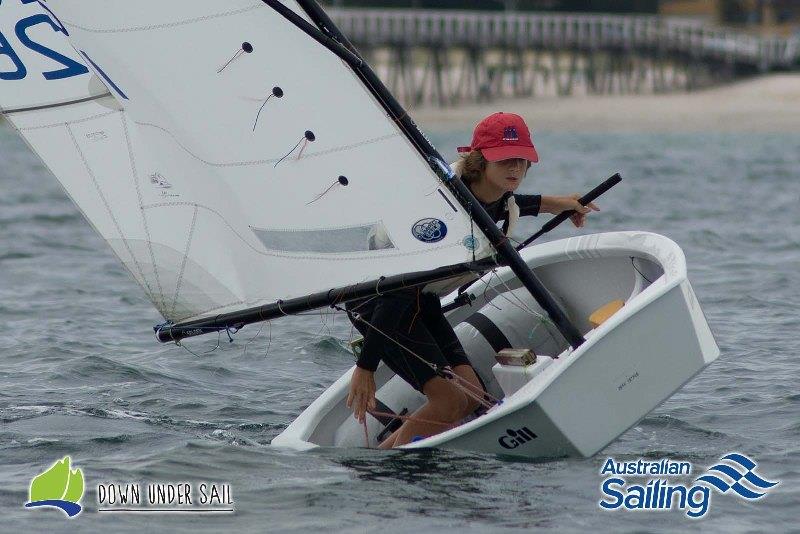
429, 230
514, 438
739, 468
735, 473
59, 487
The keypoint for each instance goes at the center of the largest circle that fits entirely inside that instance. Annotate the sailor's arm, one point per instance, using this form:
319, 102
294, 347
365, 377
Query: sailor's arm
557, 204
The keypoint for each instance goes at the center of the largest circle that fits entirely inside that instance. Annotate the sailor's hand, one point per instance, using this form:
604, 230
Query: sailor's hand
362, 393
556, 205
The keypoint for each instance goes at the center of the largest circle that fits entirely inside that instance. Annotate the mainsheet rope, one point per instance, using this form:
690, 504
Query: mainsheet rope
447, 373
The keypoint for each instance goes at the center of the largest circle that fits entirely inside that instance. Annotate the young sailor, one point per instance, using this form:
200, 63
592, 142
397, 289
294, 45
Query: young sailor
405, 327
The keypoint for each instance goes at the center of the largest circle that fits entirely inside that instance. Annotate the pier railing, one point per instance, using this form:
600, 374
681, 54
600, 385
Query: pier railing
448, 57
392, 27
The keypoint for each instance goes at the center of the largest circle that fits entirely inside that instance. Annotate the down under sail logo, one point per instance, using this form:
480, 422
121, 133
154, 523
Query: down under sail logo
59, 486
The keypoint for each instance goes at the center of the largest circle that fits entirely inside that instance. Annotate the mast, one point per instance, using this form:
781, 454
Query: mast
327, 34
506, 251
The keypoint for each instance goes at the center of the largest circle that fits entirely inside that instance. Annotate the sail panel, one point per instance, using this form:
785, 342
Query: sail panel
225, 178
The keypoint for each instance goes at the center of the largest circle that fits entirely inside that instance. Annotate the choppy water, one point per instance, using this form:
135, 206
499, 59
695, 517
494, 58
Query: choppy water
81, 374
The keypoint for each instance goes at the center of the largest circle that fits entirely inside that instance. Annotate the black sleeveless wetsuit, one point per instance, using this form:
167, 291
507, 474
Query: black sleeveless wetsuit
416, 321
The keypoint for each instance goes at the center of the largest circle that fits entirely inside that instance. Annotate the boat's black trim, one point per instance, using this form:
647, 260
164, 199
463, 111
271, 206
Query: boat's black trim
490, 332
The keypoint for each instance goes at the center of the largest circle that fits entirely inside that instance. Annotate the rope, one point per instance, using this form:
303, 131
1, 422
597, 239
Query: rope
358, 317
638, 271
255, 123
472, 232
467, 389
442, 373
279, 302
377, 414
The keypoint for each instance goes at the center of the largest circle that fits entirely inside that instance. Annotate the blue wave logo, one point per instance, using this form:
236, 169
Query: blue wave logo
732, 478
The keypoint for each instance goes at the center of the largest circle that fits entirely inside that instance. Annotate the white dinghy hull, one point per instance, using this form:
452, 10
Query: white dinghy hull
573, 404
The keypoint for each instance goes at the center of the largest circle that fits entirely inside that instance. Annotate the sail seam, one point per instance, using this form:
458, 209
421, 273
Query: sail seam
135, 176
267, 161
267, 252
183, 263
102, 196
76, 121
165, 25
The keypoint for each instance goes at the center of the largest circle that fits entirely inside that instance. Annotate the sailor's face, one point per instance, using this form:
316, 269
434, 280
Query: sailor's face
506, 174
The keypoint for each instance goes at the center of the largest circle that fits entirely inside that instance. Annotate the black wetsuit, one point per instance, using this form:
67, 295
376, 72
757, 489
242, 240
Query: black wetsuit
416, 321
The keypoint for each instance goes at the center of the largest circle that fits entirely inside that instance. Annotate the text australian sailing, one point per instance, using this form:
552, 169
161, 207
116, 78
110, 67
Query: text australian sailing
643, 467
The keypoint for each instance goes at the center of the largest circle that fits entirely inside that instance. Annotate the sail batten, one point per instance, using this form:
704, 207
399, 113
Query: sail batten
42, 107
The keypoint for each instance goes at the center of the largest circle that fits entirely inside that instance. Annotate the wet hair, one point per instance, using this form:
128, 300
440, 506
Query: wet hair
472, 167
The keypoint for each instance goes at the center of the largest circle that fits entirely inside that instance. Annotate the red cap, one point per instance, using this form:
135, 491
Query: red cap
502, 136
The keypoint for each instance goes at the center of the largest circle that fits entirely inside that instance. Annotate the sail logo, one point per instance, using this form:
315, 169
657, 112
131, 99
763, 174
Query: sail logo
735, 473
470, 242
510, 134
159, 181
59, 486
99, 135
514, 438
429, 230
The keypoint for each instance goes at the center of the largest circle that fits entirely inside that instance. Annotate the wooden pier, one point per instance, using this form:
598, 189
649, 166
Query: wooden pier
449, 57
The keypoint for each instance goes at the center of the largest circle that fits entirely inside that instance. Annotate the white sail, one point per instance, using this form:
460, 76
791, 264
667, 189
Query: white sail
236, 162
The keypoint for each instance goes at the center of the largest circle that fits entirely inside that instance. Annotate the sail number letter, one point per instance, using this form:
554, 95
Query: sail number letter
71, 67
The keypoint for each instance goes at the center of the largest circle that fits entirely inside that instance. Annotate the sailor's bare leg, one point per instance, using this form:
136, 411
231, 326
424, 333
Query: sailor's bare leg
472, 383
445, 406
388, 443
469, 405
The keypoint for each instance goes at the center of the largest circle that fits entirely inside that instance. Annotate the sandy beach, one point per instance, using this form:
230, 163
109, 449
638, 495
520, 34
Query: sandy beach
768, 103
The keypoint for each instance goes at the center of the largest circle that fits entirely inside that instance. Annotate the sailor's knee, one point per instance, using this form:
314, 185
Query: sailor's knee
472, 405
455, 407
450, 403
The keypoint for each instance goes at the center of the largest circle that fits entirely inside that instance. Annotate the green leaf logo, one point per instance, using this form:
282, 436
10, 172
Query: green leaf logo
58, 486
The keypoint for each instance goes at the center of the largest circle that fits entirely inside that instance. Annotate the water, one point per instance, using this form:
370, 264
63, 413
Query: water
81, 374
